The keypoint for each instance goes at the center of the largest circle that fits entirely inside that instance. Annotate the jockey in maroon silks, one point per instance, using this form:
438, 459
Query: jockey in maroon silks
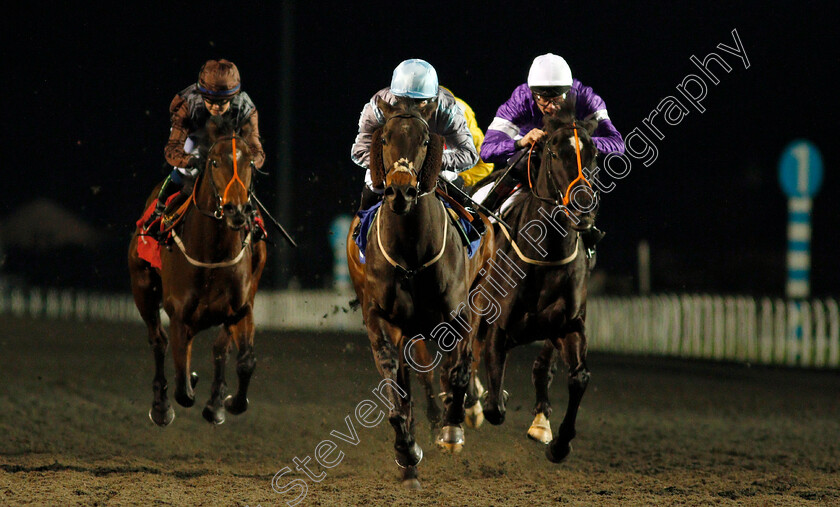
217, 92
519, 121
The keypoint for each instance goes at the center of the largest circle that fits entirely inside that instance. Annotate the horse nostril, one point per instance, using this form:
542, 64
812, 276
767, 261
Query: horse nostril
228, 208
411, 192
389, 192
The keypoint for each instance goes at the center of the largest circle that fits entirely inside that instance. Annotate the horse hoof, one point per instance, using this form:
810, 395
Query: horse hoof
557, 453
409, 478
412, 484
213, 415
235, 406
451, 439
410, 458
474, 416
540, 430
184, 399
162, 419
494, 415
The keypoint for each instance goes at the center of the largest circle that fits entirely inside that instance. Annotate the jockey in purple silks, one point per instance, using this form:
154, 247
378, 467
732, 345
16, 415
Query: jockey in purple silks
518, 123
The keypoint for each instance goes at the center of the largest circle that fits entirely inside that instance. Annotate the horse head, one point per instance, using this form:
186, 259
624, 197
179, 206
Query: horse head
228, 172
567, 152
405, 157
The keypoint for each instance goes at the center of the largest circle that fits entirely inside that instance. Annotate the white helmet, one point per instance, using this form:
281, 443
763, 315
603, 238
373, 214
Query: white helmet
550, 71
415, 78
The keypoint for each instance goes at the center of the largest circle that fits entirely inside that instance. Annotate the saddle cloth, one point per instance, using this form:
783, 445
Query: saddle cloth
368, 215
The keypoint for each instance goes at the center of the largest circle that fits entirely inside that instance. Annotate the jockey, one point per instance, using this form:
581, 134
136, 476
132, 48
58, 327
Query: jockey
217, 92
416, 81
518, 122
477, 172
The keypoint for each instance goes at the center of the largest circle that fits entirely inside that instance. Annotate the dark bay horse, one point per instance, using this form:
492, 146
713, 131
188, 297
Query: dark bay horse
208, 280
415, 281
551, 270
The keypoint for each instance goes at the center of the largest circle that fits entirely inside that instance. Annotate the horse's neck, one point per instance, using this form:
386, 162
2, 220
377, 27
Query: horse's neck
212, 235
552, 219
416, 235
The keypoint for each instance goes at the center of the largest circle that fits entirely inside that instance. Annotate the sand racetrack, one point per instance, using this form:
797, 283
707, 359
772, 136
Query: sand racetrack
650, 431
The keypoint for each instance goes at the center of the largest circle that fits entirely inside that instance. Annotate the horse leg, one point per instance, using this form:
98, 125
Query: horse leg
243, 335
146, 289
451, 437
182, 338
383, 337
542, 375
426, 379
214, 410
475, 391
573, 347
495, 360
409, 473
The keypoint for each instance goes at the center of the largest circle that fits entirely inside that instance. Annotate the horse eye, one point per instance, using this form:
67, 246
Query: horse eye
426, 142
384, 141
214, 162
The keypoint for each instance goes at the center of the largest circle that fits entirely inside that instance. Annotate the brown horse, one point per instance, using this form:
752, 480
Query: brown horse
415, 281
210, 279
551, 271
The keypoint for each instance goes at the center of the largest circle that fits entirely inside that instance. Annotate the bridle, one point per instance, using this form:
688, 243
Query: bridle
222, 198
415, 172
561, 198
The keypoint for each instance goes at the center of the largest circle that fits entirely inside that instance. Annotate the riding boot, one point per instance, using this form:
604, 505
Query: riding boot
368, 200
168, 188
187, 182
591, 238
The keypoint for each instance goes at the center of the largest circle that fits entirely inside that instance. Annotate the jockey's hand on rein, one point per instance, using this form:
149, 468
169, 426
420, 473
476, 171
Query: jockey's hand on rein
530, 138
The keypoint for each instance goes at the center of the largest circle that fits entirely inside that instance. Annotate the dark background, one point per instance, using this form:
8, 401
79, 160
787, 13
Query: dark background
87, 93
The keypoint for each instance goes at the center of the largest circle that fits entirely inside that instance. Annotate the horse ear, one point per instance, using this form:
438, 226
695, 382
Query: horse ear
377, 166
386, 108
590, 125
431, 166
429, 109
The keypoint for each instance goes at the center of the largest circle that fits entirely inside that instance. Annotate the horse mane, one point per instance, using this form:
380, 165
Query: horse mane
377, 166
565, 117
220, 126
432, 164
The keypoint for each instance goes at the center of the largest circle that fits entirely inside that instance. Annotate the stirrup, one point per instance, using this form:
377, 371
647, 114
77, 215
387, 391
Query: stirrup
477, 228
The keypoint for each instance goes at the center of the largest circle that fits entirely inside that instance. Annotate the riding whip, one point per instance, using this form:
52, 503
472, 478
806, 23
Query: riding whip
478, 206
274, 221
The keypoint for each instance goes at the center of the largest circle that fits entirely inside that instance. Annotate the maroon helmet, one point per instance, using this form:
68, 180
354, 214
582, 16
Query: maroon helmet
218, 80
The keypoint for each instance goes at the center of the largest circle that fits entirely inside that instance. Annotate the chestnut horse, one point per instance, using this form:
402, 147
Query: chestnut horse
210, 279
415, 281
551, 268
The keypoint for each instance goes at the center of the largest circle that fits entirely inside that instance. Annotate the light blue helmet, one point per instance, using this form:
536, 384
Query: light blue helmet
415, 78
